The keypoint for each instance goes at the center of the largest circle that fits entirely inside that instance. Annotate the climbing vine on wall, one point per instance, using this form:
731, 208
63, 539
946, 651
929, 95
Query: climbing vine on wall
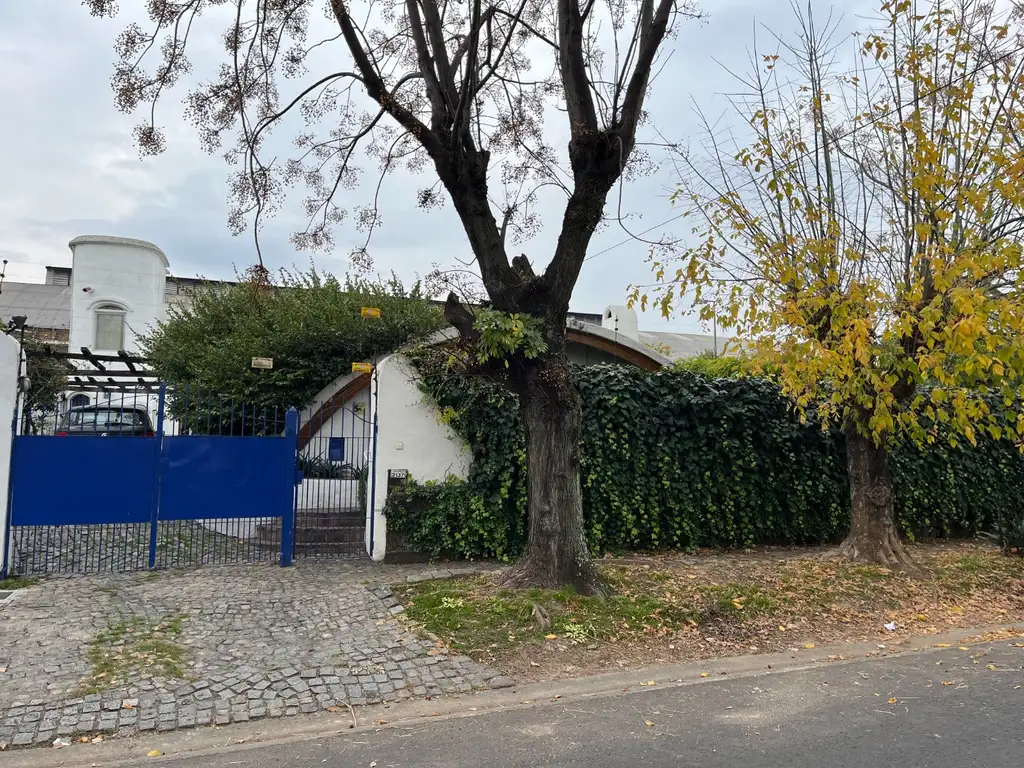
674, 461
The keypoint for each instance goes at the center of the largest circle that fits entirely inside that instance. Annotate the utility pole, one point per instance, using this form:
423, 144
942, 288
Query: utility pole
714, 327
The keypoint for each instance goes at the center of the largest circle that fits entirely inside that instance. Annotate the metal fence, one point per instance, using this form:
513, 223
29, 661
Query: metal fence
153, 478
330, 501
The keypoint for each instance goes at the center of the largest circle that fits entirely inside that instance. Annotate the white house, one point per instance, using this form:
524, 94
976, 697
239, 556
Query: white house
116, 288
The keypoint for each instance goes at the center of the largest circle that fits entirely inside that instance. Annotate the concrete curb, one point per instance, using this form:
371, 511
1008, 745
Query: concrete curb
219, 740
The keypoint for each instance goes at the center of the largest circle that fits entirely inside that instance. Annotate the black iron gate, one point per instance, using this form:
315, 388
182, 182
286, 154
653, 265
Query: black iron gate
331, 498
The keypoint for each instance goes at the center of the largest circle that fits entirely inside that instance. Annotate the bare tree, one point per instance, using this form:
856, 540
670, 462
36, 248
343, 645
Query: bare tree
458, 86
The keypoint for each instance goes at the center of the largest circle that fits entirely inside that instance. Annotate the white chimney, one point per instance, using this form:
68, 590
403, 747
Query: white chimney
622, 320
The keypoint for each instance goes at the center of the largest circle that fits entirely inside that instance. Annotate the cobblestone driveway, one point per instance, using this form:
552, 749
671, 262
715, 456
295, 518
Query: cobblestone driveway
256, 641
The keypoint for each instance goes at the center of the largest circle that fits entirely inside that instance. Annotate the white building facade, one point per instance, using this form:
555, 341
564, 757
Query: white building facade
117, 292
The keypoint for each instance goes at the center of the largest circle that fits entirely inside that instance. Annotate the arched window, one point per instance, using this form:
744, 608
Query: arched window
109, 327
79, 400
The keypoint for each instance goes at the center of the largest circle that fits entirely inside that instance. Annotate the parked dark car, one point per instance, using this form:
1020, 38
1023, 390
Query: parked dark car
106, 421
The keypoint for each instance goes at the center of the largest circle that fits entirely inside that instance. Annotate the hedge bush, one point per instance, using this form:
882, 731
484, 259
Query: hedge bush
672, 460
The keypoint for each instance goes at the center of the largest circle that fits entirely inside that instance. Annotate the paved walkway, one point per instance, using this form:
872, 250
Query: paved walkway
158, 651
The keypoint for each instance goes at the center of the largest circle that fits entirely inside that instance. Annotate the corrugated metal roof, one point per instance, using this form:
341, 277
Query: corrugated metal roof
45, 306
680, 345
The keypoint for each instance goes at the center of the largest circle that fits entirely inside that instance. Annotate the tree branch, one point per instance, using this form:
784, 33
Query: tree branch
652, 34
376, 89
572, 65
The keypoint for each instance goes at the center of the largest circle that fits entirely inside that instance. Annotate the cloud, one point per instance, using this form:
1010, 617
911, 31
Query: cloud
71, 167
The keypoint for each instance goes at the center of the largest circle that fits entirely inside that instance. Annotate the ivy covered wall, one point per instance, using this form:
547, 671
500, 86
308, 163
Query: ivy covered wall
674, 461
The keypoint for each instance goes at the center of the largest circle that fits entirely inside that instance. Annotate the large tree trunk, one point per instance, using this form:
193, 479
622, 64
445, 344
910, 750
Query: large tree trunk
873, 537
556, 553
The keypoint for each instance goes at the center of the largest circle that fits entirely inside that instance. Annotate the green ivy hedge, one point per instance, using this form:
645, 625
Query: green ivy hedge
675, 461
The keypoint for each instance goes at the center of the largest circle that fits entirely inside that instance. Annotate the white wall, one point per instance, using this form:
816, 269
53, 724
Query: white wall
621, 320
351, 422
324, 495
119, 270
410, 437
9, 358
325, 394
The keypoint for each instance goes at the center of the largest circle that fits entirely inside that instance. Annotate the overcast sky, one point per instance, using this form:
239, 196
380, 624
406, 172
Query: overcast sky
70, 167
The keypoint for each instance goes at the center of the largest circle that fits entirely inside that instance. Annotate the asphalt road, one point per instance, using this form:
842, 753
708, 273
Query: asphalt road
950, 711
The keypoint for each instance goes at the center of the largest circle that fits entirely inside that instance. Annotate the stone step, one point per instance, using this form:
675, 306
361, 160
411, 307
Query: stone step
329, 517
271, 535
335, 548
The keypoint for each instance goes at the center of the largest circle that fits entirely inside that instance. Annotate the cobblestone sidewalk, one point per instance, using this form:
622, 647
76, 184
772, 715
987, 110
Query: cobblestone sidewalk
82, 655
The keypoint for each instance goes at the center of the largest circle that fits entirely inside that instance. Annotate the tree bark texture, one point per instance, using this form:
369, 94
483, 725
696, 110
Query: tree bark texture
556, 551
873, 537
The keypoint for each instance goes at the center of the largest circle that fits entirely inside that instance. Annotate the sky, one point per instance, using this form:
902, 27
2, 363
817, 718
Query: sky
70, 166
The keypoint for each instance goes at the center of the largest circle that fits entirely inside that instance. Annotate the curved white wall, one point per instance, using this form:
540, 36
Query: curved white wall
119, 270
409, 437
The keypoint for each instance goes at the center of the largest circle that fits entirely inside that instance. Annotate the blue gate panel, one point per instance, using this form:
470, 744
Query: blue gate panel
226, 477
82, 480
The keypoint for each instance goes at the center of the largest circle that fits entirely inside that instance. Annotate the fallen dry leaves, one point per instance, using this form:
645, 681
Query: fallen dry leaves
715, 605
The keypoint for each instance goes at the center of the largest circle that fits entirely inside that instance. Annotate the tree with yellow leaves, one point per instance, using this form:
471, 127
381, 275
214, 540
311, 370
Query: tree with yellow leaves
865, 237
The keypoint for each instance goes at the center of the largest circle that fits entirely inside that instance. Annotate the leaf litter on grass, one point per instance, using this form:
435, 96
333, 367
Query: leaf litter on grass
671, 608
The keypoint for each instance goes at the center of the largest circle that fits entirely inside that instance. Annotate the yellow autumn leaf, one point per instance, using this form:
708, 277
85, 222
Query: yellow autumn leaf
990, 666
551, 637
649, 682
964, 648
947, 682
704, 674
921, 617
154, 753
892, 700
648, 723
809, 646
942, 645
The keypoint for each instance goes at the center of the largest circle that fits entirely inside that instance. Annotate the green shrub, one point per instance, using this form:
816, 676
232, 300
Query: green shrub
712, 366
673, 460
319, 468
1008, 533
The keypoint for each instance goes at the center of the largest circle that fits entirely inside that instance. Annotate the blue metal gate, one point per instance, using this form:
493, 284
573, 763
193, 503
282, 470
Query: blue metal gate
192, 481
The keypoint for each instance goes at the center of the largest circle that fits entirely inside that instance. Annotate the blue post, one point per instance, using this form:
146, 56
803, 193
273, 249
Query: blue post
291, 436
154, 509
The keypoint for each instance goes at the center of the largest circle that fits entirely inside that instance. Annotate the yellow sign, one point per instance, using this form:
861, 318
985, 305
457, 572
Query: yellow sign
263, 363
361, 368
370, 312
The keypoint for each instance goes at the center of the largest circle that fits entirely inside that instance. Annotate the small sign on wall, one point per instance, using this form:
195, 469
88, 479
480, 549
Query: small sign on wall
373, 312
362, 368
262, 363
